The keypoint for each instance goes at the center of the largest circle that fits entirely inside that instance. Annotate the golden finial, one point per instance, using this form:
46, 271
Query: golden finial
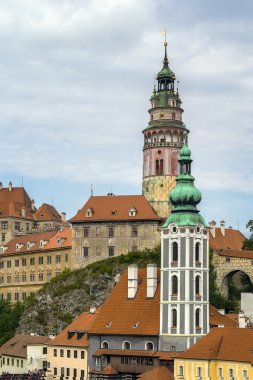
165, 37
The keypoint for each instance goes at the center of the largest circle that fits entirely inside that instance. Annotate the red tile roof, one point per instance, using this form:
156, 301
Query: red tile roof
140, 316
47, 212
52, 239
17, 346
233, 239
81, 324
11, 203
157, 373
232, 344
115, 208
165, 356
216, 318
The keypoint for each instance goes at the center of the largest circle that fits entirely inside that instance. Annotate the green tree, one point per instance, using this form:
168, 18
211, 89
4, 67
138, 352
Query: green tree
248, 243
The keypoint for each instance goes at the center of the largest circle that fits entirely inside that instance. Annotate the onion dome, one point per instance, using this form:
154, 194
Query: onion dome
185, 196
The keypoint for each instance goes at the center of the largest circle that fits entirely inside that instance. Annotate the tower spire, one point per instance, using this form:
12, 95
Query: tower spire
165, 60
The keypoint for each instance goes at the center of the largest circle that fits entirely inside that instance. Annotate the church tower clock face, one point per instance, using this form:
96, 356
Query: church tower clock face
163, 139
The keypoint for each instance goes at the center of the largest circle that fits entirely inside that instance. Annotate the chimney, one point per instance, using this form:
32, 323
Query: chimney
1, 185
242, 319
212, 225
92, 309
222, 227
151, 280
221, 311
33, 204
10, 186
132, 280
63, 216
23, 212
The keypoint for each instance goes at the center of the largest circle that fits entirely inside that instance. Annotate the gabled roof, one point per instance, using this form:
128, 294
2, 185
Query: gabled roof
120, 315
47, 212
17, 346
157, 373
51, 239
231, 344
233, 239
216, 318
115, 208
81, 324
12, 201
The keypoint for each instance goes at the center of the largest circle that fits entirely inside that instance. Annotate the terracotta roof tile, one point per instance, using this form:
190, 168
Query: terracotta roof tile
216, 318
52, 239
233, 239
222, 344
82, 324
47, 212
141, 315
157, 373
115, 208
11, 203
109, 370
232, 253
17, 346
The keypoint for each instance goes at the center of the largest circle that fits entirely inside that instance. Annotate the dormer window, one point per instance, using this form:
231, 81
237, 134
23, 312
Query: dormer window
89, 212
132, 211
19, 246
43, 243
71, 333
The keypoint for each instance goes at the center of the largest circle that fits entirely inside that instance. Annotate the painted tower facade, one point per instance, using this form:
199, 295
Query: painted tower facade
163, 139
184, 314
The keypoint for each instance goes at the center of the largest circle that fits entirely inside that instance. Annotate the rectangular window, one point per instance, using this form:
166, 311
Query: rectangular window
8, 361
22, 364
68, 354
181, 370
23, 277
3, 237
82, 374
8, 279
49, 276
12, 361
44, 350
41, 260
55, 371
66, 257
62, 372
98, 230
32, 278
75, 372
55, 352
17, 226
4, 361
97, 361
199, 371
16, 263
27, 226
4, 225
17, 362
67, 372
61, 353
23, 262
16, 296
8, 296
9, 264
134, 231
32, 261
49, 259
16, 278
230, 372
40, 276
111, 231
111, 251
75, 354
58, 259
86, 231
23, 296
82, 355
220, 372
1, 264
85, 251
245, 374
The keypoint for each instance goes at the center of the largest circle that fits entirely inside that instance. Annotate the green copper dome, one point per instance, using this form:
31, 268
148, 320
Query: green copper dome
166, 72
185, 196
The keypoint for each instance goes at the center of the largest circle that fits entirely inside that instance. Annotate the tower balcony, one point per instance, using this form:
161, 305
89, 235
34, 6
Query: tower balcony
162, 144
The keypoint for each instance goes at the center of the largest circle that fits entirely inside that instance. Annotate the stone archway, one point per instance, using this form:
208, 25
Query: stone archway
236, 281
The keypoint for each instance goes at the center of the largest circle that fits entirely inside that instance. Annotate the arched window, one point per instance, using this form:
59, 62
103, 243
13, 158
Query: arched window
149, 346
105, 345
174, 285
157, 167
197, 317
174, 251
174, 317
126, 345
197, 285
161, 167
197, 258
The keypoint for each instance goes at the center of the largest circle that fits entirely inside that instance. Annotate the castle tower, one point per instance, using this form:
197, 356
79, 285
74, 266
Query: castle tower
184, 313
163, 139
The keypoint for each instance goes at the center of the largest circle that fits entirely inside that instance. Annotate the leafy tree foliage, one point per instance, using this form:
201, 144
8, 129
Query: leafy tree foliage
9, 319
248, 243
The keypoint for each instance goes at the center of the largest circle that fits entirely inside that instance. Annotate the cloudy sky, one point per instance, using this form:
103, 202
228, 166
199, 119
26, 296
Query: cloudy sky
76, 77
